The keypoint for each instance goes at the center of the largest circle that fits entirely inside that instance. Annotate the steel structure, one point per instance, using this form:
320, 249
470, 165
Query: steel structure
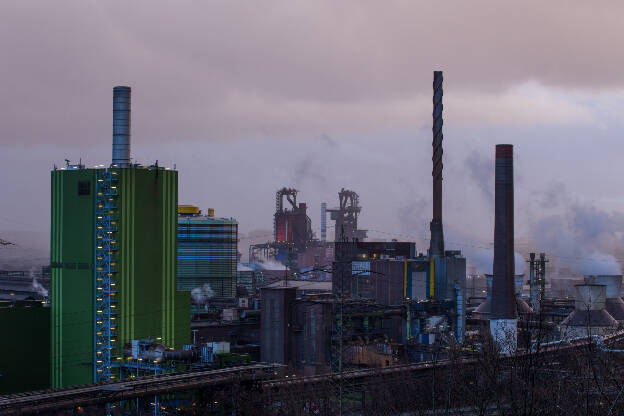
291, 198
120, 390
537, 280
106, 227
346, 217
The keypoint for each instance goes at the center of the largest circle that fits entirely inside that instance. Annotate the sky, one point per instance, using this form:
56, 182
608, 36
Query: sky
244, 98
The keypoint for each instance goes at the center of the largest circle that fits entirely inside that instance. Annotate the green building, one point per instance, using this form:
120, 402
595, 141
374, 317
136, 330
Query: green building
207, 254
24, 361
113, 259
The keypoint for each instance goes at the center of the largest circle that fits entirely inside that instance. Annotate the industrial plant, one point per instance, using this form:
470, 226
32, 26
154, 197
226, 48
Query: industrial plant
151, 308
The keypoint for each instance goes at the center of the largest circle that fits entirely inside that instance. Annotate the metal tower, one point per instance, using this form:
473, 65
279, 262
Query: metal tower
346, 216
106, 226
436, 244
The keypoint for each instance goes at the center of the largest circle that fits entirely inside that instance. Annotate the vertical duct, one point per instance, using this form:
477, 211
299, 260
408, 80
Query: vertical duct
534, 288
503, 290
121, 126
436, 247
323, 221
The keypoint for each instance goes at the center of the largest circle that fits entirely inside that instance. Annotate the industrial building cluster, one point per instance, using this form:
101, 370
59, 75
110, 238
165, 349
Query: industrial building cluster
140, 284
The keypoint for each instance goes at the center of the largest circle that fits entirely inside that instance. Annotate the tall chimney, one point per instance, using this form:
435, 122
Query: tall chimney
436, 247
503, 324
503, 293
121, 126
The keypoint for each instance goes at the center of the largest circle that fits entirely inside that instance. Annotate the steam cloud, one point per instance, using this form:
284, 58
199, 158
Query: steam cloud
481, 171
581, 236
36, 285
202, 294
483, 261
272, 265
599, 263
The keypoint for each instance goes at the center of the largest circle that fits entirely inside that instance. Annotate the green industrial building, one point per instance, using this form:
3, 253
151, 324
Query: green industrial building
113, 262
144, 302
207, 254
24, 361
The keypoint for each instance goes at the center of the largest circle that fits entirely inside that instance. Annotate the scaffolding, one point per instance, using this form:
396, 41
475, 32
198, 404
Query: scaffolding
106, 227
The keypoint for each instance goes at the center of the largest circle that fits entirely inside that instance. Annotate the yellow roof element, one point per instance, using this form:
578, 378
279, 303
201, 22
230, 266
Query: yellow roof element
188, 209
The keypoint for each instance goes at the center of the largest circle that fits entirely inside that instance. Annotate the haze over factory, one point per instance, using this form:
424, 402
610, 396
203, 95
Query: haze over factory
278, 212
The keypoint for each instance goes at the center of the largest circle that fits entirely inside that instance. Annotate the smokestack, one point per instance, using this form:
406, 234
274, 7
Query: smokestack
503, 325
503, 290
323, 221
436, 247
121, 126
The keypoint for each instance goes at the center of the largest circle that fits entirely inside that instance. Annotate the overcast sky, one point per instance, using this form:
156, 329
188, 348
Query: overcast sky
247, 97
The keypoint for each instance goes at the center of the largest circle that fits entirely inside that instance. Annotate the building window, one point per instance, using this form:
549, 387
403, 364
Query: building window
84, 188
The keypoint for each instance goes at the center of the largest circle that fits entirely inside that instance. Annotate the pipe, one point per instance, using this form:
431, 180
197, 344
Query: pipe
180, 355
534, 288
436, 244
459, 333
121, 126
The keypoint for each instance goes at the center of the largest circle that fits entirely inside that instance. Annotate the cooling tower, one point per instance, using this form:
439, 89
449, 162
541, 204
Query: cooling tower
613, 303
589, 316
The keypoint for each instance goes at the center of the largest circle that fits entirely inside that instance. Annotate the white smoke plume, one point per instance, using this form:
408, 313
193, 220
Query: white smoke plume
581, 237
272, 265
36, 285
243, 268
483, 260
598, 263
202, 294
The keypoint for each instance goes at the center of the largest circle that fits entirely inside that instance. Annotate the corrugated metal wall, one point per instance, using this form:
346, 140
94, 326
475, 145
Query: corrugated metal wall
149, 303
71, 259
207, 254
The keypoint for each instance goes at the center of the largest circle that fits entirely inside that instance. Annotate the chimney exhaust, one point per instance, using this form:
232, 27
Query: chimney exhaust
436, 244
121, 126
